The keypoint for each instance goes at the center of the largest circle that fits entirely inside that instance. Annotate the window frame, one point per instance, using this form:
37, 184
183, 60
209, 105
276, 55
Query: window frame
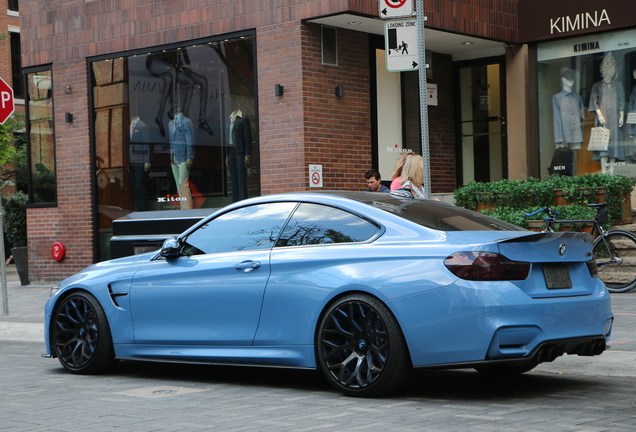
293, 205
379, 228
25, 73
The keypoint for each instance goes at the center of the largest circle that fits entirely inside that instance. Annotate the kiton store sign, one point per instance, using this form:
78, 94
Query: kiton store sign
547, 19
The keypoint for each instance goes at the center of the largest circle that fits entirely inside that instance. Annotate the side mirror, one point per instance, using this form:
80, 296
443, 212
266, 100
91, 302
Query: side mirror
171, 248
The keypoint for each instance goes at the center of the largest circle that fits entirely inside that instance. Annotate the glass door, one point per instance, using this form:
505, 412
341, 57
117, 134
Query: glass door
481, 138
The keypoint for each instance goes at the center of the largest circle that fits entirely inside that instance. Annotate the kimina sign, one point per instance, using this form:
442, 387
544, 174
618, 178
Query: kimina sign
580, 21
540, 20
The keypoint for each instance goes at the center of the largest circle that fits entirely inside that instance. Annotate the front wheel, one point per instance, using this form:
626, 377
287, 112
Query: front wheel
615, 256
81, 336
360, 347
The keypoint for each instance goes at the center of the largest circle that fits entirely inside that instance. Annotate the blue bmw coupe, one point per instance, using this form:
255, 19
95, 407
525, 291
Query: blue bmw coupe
362, 286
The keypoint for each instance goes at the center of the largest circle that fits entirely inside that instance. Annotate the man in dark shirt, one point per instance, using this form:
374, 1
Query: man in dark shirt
374, 182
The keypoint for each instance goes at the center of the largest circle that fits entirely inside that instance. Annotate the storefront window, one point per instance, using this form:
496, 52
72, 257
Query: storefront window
42, 180
586, 83
175, 129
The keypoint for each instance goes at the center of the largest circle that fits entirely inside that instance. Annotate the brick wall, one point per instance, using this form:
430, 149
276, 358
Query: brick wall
309, 123
492, 19
337, 130
71, 222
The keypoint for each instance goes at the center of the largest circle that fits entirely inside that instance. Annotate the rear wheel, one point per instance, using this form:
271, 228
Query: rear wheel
81, 336
615, 257
360, 347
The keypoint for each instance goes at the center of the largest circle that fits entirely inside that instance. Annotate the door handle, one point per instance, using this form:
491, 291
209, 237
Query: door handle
247, 266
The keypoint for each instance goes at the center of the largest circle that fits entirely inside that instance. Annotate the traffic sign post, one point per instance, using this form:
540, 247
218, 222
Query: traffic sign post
395, 8
7, 105
421, 45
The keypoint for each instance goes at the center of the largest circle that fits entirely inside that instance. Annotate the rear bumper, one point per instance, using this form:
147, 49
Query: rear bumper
546, 351
470, 323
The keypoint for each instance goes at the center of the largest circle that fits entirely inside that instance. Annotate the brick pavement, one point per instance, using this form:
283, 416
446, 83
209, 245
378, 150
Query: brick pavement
36, 394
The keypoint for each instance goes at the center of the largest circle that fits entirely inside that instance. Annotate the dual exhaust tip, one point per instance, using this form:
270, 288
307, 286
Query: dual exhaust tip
550, 352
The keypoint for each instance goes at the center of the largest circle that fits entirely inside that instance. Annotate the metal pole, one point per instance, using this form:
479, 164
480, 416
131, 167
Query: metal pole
421, 52
3, 266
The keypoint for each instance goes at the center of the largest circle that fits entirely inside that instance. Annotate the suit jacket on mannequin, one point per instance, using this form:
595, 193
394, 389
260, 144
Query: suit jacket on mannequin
239, 133
139, 150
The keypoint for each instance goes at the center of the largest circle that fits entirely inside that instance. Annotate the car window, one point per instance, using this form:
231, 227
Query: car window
246, 228
314, 224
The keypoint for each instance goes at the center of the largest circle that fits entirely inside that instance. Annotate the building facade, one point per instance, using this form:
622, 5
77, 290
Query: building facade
585, 57
10, 47
174, 106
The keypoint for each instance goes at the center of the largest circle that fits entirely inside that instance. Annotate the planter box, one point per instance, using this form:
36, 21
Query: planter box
627, 208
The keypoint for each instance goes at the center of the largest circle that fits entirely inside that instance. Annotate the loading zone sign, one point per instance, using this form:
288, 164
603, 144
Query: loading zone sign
400, 38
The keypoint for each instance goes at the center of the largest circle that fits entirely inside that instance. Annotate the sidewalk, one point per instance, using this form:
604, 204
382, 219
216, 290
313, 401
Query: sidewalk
24, 323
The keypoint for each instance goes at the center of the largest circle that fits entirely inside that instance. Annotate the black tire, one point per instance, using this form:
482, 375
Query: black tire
618, 275
505, 370
81, 336
360, 347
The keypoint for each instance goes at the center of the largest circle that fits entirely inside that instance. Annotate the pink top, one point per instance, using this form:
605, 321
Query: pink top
396, 184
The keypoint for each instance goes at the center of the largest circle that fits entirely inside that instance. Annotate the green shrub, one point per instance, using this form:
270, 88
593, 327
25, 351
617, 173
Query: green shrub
14, 214
521, 194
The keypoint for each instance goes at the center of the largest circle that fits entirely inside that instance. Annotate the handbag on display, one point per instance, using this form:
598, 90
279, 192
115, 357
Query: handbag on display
631, 118
599, 139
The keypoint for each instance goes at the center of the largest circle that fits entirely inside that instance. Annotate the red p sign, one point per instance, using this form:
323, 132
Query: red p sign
7, 105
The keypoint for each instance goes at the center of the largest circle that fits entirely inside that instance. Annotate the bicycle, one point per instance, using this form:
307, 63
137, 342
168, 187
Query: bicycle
614, 249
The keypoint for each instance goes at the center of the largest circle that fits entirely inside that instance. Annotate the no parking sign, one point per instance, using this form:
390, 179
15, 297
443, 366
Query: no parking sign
315, 175
396, 8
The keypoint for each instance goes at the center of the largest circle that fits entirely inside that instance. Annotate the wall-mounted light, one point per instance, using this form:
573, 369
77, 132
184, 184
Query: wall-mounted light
68, 117
279, 90
68, 89
339, 91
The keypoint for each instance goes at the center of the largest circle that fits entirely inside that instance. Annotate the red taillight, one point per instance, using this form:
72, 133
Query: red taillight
484, 266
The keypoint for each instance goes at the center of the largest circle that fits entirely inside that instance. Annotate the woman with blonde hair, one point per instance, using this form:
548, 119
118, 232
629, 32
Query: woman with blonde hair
413, 175
396, 181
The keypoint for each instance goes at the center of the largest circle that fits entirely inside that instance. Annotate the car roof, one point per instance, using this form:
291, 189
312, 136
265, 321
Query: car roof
432, 214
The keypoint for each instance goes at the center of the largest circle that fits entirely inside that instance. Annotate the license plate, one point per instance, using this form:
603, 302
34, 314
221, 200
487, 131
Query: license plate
557, 276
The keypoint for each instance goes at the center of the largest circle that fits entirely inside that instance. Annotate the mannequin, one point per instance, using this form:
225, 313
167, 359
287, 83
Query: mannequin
567, 114
139, 161
607, 99
239, 147
182, 156
631, 128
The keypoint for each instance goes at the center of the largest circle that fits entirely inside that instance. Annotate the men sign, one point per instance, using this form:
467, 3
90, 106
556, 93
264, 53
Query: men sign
7, 105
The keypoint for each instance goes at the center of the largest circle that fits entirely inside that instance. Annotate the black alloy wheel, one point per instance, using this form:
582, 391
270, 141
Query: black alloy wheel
81, 335
360, 347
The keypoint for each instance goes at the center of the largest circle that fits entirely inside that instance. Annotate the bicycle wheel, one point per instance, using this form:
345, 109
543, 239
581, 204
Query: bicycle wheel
615, 256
